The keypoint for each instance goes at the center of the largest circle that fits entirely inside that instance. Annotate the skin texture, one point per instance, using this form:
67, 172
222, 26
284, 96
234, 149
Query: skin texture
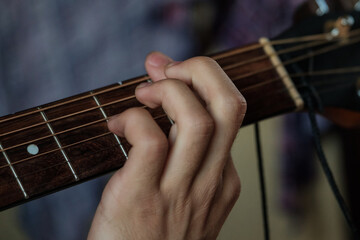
189, 183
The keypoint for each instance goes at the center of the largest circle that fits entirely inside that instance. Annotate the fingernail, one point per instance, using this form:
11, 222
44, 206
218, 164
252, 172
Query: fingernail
144, 84
158, 59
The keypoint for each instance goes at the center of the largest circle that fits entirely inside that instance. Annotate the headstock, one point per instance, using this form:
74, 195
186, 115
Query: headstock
331, 71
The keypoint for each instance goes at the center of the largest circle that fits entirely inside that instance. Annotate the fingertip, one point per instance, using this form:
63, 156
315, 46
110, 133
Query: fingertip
157, 59
111, 124
155, 65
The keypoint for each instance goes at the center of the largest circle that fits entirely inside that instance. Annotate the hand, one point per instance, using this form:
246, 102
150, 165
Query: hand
182, 186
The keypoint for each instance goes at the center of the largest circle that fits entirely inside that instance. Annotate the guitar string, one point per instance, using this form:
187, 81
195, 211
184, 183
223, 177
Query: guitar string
296, 48
104, 134
314, 37
73, 128
300, 58
243, 90
311, 55
289, 50
89, 139
228, 53
316, 82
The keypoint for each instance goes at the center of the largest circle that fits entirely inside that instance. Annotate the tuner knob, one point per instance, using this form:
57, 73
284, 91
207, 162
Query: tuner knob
348, 20
357, 6
323, 7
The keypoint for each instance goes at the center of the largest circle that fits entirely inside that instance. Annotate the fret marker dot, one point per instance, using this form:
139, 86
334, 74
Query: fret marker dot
33, 149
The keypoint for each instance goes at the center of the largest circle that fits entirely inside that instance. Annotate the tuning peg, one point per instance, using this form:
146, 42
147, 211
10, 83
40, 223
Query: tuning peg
357, 6
323, 7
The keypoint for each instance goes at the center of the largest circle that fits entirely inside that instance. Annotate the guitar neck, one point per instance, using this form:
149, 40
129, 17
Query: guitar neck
67, 142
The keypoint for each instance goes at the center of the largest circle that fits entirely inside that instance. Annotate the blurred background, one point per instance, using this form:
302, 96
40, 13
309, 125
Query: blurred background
54, 49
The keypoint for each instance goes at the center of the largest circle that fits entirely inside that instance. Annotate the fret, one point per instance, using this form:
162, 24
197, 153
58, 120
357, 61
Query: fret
59, 144
13, 172
105, 116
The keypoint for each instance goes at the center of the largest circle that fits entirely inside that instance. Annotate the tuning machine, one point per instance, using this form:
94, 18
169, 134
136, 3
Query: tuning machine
357, 6
340, 27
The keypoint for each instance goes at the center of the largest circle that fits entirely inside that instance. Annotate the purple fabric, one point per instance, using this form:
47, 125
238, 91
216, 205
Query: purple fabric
250, 20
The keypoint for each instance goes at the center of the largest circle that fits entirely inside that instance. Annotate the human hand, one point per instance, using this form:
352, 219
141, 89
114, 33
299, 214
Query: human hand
182, 186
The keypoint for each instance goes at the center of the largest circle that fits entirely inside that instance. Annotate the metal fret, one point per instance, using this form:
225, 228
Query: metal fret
59, 144
13, 171
105, 116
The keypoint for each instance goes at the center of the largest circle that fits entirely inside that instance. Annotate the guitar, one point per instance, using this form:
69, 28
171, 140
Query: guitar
63, 143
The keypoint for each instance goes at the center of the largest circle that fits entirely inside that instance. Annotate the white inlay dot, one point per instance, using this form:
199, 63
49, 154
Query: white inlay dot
33, 149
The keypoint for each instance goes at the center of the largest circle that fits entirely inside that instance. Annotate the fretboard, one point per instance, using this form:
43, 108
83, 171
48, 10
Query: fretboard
67, 142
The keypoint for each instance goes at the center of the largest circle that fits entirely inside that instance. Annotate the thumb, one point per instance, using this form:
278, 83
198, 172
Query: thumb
155, 65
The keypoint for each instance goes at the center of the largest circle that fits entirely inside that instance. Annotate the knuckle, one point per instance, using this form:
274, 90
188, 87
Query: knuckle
152, 140
133, 114
202, 125
202, 61
234, 189
235, 104
234, 108
155, 141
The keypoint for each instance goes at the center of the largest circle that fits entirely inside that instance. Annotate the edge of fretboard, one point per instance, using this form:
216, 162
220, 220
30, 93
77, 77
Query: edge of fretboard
283, 74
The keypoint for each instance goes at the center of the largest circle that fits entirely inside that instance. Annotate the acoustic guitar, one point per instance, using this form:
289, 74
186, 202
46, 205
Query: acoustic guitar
63, 143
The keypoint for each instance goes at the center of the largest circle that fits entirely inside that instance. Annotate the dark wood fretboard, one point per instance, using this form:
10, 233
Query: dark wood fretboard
66, 142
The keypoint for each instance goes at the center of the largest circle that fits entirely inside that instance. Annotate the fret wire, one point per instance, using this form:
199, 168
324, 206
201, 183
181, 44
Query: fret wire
59, 144
106, 119
26, 196
352, 33
70, 145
